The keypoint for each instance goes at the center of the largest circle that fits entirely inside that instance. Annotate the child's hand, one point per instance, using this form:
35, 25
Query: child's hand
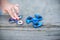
13, 10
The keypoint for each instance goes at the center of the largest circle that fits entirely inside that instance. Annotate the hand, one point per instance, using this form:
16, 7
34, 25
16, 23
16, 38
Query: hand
11, 9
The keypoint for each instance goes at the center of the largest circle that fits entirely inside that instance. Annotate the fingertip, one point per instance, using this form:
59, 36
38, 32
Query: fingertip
17, 18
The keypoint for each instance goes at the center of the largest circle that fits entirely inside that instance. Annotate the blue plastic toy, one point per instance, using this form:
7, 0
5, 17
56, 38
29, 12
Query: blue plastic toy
35, 20
11, 20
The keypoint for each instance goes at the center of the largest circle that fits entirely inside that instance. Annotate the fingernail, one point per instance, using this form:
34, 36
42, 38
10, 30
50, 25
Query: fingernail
17, 18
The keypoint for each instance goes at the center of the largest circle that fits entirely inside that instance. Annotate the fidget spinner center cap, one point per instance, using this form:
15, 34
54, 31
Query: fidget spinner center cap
20, 22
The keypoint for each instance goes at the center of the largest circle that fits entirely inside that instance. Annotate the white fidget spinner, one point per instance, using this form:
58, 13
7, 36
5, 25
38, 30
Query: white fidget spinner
20, 22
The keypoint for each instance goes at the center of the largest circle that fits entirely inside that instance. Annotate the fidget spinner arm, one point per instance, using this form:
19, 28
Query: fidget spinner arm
29, 19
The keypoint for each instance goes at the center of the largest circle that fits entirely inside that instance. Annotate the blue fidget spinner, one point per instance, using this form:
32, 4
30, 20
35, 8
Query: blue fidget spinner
11, 20
35, 20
